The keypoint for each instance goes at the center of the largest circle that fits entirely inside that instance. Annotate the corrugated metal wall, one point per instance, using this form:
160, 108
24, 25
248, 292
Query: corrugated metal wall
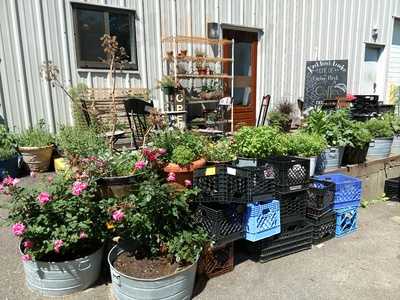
293, 31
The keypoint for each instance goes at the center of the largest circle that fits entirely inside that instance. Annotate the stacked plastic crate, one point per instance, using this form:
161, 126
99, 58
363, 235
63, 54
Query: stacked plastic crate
364, 107
320, 211
346, 201
291, 176
234, 203
392, 188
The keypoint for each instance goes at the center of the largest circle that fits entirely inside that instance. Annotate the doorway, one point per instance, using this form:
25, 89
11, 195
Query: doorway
371, 83
245, 73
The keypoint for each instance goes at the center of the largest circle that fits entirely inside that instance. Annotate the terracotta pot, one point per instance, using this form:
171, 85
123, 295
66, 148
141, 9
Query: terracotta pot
37, 158
183, 173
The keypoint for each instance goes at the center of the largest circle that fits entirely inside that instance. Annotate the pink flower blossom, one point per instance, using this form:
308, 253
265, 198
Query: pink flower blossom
33, 174
18, 229
57, 245
9, 181
83, 235
350, 97
162, 151
26, 257
27, 244
44, 197
1, 187
50, 178
171, 177
140, 165
150, 155
188, 183
78, 187
118, 215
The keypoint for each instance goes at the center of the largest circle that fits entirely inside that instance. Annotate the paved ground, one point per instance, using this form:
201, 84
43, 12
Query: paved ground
364, 265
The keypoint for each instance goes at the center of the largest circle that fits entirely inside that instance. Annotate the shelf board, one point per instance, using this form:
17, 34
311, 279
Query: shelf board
223, 76
195, 40
195, 58
211, 123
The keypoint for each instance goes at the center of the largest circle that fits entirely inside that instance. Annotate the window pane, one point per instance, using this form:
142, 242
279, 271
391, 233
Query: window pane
91, 28
396, 32
120, 27
242, 59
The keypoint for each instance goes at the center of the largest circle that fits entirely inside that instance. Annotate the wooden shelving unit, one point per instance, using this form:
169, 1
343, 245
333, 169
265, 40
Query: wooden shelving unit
198, 66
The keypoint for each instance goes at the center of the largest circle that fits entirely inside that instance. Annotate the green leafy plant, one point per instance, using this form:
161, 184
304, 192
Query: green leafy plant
38, 136
220, 151
358, 135
167, 82
7, 144
260, 142
306, 144
57, 220
80, 142
159, 221
396, 124
380, 127
183, 155
279, 120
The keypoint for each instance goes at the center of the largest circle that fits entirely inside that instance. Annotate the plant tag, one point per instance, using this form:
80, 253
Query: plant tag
210, 171
295, 187
231, 171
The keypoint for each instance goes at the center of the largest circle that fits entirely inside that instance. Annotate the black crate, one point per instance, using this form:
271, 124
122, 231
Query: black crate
292, 205
320, 198
290, 173
392, 188
233, 184
324, 228
385, 108
296, 236
365, 105
222, 222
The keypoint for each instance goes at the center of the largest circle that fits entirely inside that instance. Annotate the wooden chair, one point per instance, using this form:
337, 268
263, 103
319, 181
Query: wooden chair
137, 110
262, 116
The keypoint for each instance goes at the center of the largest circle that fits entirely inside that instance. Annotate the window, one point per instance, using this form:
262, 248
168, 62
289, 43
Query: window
91, 23
396, 32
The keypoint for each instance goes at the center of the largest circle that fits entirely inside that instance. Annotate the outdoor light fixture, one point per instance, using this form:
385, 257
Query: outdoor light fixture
213, 31
374, 34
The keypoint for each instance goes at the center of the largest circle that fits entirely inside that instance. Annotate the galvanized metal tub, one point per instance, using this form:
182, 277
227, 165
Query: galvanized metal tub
313, 164
172, 287
396, 145
63, 278
331, 158
379, 148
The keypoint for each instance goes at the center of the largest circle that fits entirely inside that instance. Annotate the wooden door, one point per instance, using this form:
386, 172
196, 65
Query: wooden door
245, 75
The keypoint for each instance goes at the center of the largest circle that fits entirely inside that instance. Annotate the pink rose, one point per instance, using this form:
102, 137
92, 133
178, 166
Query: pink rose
27, 244
162, 151
9, 181
140, 165
18, 229
78, 187
83, 235
44, 198
118, 215
171, 177
188, 183
57, 245
26, 257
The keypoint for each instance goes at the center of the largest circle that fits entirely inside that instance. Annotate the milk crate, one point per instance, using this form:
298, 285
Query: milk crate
262, 220
217, 261
296, 236
324, 228
392, 188
292, 205
347, 189
346, 221
320, 198
222, 222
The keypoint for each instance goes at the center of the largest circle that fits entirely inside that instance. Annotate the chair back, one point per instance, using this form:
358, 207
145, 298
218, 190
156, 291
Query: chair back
262, 116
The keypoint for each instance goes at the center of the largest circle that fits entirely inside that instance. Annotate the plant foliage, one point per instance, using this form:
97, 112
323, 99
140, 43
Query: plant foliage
38, 136
7, 144
380, 127
220, 151
306, 144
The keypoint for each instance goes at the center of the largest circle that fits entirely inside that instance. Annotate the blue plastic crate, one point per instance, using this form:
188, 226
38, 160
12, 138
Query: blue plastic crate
346, 220
262, 220
347, 189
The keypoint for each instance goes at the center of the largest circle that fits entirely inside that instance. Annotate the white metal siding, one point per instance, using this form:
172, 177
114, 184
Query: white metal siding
293, 32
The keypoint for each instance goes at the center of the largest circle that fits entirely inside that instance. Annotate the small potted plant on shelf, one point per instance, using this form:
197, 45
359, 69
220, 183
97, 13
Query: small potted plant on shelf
282, 116
158, 242
9, 158
200, 63
36, 147
382, 133
211, 91
168, 85
220, 152
356, 150
61, 233
184, 152
307, 145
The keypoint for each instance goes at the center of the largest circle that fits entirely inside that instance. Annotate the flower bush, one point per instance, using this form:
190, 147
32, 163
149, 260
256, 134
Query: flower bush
57, 220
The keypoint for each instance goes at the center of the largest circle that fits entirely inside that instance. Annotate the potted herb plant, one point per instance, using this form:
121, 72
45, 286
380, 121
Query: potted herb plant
168, 85
201, 66
220, 152
282, 116
61, 233
36, 147
159, 243
9, 158
307, 145
382, 134
184, 152
358, 138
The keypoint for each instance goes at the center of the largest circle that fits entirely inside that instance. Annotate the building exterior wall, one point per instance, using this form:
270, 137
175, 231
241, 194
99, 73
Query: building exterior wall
292, 33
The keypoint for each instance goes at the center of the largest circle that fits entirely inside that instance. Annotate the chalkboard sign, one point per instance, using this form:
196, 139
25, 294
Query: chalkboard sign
325, 79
